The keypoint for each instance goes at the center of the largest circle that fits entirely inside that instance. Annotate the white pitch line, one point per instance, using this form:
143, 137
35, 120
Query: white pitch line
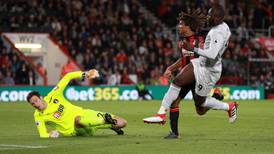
14, 146
8, 148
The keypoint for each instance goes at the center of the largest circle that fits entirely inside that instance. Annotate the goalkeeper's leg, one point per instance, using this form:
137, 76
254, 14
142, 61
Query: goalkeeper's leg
114, 122
100, 120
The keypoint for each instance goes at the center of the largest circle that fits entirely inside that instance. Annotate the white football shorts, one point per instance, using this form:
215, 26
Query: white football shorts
205, 79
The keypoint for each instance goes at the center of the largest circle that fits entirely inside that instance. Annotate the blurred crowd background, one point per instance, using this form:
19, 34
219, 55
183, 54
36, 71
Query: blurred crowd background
130, 37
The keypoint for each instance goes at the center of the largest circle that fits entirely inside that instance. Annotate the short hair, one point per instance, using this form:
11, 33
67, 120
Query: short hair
32, 93
196, 20
218, 11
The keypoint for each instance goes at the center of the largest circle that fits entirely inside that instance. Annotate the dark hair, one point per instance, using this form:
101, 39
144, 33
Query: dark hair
195, 20
218, 11
32, 93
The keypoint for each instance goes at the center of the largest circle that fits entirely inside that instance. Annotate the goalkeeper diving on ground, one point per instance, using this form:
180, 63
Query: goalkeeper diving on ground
66, 119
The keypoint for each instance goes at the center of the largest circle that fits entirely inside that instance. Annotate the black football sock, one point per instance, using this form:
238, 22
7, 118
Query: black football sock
174, 116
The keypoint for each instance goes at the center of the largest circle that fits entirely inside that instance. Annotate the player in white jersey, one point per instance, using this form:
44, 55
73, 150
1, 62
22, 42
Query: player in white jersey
204, 71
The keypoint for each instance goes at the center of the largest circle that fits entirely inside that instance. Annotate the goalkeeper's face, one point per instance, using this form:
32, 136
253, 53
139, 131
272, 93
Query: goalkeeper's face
37, 102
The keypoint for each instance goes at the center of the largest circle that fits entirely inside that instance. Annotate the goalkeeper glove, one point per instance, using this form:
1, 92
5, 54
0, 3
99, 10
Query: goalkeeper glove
93, 73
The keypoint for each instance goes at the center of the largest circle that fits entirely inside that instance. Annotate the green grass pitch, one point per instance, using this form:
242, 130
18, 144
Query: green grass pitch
252, 133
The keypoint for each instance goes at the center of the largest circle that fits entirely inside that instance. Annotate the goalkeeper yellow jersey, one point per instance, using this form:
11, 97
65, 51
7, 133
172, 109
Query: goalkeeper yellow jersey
60, 113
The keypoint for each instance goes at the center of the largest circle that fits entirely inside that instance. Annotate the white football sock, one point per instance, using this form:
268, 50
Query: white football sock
169, 97
162, 110
215, 104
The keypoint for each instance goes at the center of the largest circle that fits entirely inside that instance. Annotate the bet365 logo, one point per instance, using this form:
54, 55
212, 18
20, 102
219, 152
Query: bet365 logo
58, 113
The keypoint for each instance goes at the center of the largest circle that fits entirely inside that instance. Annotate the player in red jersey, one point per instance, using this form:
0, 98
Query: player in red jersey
187, 29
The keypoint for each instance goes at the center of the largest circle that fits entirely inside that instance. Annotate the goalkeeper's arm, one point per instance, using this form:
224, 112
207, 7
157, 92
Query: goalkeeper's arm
43, 133
40, 123
93, 73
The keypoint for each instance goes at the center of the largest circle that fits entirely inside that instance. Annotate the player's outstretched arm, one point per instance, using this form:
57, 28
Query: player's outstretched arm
40, 124
93, 73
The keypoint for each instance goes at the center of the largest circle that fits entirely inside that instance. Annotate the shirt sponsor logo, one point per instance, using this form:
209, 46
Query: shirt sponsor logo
61, 108
57, 115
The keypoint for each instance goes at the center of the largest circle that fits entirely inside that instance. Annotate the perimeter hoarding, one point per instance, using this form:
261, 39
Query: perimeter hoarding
108, 93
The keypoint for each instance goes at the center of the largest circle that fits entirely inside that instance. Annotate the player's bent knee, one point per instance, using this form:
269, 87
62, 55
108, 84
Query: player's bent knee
200, 113
199, 100
201, 110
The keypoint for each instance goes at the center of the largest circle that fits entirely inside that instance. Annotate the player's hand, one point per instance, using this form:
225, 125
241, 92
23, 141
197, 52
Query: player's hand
187, 46
168, 74
91, 74
54, 134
